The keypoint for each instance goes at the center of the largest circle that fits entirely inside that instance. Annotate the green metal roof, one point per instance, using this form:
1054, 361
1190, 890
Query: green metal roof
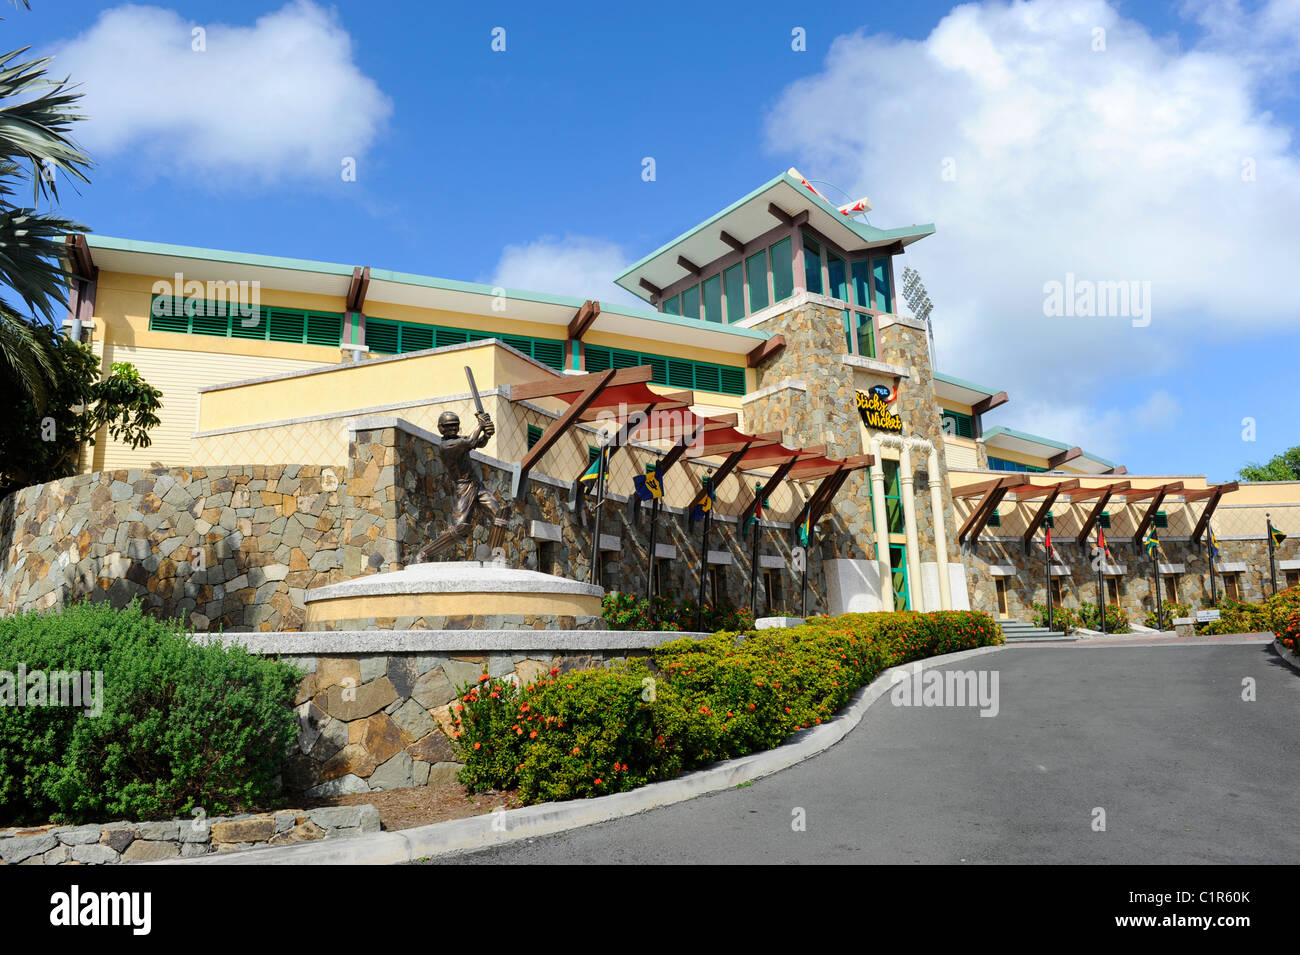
963, 383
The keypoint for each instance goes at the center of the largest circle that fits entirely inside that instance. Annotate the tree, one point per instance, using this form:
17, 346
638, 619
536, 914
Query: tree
36, 114
41, 444
1281, 467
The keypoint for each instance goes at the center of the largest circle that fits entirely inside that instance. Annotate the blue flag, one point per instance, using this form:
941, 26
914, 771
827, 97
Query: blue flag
1214, 545
647, 486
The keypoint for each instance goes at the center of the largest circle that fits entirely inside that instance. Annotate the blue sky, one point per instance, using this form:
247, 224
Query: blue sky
1125, 162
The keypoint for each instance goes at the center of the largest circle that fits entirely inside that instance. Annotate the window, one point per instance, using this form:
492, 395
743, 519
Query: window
1058, 595
862, 283
1000, 586
772, 591
837, 285
866, 335
677, 372
220, 319
1113, 590
1162, 520
660, 574
733, 282
893, 497
546, 557
1104, 520
534, 435
756, 276
782, 258
1171, 587
691, 302
962, 425
1001, 464
387, 337
717, 584
880, 281
812, 265
1292, 579
995, 520
713, 299
848, 331
1232, 586
673, 306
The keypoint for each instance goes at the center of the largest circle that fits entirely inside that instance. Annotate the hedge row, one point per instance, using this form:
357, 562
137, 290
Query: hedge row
688, 704
182, 725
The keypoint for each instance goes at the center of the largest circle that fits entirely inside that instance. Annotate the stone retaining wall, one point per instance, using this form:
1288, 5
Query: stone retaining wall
116, 842
236, 548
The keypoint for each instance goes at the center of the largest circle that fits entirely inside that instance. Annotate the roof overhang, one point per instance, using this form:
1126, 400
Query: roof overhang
961, 391
161, 261
747, 219
1031, 444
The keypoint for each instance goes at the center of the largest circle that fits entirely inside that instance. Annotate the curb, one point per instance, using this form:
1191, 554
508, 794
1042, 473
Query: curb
1289, 658
529, 822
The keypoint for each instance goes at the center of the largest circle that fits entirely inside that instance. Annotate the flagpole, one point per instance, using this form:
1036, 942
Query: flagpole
1214, 588
1160, 605
1101, 588
595, 530
1048, 552
1272, 568
650, 569
753, 557
704, 555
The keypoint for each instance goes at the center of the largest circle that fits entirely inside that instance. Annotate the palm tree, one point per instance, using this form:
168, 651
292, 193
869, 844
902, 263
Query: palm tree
36, 114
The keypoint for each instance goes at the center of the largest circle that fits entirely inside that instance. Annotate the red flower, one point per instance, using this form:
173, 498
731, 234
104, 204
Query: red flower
477, 745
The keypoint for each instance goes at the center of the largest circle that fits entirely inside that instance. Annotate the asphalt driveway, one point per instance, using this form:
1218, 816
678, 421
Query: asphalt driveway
1159, 738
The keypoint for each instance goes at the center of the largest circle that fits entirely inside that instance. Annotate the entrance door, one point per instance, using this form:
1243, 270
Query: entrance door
1000, 585
898, 566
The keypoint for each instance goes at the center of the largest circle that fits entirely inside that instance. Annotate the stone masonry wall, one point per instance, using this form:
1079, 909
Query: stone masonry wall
236, 548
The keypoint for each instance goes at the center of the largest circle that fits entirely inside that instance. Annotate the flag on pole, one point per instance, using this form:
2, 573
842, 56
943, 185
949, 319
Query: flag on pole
1277, 536
757, 513
1152, 543
1048, 544
1214, 545
588, 478
647, 485
704, 504
1101, 544
805, 530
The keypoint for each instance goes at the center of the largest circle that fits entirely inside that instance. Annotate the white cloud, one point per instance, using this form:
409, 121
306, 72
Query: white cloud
573, 265
1125, 164
1160, 412
280, 99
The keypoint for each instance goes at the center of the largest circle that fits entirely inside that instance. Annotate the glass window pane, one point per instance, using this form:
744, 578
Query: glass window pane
713, 299
836, 278
866, 335
756, 275
812, 265
734, 281
848, 334
884, 297
673, 306
862, 284
782, 271
691, 302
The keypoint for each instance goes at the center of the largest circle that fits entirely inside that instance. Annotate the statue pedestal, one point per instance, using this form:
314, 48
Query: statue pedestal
456, 595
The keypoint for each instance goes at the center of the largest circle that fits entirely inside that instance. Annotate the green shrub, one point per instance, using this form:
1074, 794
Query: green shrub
624, 611
689, 704
1063, 618
1239, 617
182, 725
1170, 610
1116, 618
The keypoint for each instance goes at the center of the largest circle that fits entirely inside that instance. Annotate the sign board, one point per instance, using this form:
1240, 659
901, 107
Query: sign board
1207, 616
873, 406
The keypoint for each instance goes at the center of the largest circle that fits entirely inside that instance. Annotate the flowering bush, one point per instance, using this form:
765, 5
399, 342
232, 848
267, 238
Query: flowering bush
690, 703
1063, 618
630, 612
1116, 618
1170, 610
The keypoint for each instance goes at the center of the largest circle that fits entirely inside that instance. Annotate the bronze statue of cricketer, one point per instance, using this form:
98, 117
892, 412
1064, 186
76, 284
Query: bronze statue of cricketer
471, 493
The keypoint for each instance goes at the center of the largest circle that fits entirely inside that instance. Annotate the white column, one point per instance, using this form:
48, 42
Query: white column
882, 527
940, 531
907, 478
